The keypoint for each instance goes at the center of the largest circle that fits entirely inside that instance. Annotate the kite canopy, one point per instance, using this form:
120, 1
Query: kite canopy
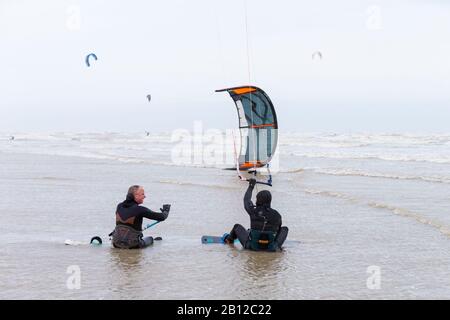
317, 54
88, 57
258, 126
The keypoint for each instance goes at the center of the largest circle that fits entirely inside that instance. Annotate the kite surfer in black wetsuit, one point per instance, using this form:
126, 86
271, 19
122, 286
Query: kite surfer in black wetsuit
266, 232
129, 216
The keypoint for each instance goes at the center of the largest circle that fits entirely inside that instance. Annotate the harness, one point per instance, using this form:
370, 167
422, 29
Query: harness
262, 240
125, 237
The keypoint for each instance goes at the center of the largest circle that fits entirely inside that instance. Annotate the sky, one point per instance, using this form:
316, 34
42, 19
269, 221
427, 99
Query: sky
385, 65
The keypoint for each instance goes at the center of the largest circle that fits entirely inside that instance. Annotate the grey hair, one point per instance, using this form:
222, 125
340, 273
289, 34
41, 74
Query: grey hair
132, 190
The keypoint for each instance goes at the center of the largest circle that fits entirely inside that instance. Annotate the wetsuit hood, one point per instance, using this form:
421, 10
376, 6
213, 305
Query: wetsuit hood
129, 201
264, 198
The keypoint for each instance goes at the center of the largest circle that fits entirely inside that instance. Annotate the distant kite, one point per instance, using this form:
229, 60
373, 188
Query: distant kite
89, 56
317, 54
149, 97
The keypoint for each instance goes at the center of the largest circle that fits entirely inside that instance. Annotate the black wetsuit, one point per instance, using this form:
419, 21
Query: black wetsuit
128, 231
262, 219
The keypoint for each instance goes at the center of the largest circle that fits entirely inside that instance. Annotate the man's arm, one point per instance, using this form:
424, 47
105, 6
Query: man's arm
248, 204
154, 215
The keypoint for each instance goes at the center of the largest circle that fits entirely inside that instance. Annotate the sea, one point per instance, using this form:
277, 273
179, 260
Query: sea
368, 216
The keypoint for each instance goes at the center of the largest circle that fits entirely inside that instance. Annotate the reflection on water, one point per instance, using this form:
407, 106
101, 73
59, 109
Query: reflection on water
126, 260
125, 269
261, 264
259, 273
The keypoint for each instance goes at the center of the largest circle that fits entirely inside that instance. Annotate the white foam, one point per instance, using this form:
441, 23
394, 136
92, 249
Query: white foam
353, 172
140, 148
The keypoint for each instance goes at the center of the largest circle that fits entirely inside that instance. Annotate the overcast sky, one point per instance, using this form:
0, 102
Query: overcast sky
385, 64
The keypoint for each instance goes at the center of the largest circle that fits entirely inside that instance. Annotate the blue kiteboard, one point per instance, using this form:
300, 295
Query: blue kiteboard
211, 239
214, 239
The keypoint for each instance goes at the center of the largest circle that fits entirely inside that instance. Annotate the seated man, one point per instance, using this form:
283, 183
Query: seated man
266, 232
129, 216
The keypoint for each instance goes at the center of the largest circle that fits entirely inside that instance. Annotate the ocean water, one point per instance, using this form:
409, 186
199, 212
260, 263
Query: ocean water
369, 217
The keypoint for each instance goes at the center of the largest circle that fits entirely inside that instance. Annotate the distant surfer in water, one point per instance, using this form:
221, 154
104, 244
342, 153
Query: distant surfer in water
266, 232
129, 216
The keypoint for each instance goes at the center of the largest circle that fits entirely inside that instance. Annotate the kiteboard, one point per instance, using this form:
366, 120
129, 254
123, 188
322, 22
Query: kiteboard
95, 241
214, 239
219, 239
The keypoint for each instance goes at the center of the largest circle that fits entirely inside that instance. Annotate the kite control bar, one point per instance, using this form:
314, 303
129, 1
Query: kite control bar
269, 183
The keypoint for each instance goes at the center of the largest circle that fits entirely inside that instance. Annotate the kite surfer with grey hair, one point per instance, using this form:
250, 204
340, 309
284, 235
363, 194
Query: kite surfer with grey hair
129, 216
